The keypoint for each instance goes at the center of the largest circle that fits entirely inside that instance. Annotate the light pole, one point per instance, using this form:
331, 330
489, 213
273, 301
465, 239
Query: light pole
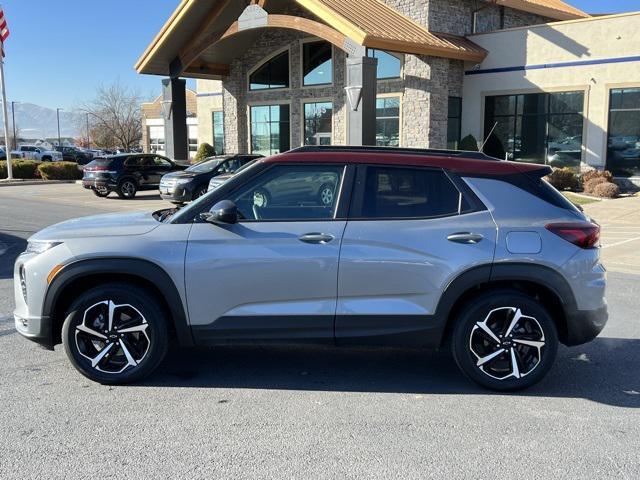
13, 120
88, 134
59, 138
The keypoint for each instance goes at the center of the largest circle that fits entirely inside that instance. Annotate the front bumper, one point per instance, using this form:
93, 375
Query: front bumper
585, 325
176, 194
36, 329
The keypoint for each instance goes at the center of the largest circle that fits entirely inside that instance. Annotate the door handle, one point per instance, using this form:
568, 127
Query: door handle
316, 238
465, 238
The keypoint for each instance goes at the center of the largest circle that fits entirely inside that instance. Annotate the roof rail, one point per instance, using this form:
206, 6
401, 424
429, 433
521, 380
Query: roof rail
403, 151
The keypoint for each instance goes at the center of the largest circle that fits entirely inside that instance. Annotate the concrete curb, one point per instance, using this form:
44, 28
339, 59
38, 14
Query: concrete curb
18, 182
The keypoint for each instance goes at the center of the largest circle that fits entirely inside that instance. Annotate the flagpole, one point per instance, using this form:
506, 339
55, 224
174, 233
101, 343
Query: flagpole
5, 113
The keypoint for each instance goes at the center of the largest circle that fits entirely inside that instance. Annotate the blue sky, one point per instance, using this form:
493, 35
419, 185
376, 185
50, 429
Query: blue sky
60, 50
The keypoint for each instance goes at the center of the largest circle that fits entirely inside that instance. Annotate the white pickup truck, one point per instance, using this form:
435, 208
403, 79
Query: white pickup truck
35, 152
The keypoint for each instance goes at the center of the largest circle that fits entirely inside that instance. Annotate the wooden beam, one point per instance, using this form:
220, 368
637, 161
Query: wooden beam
207, 70
194, 48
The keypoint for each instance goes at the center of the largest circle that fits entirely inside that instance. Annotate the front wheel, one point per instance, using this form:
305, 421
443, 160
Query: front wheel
115, 334
505, 340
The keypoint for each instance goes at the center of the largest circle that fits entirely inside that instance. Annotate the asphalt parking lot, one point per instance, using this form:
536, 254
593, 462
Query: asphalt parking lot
316, 412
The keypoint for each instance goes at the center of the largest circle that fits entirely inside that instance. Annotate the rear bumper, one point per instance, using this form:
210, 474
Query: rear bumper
92, 184
585, 325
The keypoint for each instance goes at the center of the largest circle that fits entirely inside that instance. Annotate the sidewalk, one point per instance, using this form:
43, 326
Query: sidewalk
620, 221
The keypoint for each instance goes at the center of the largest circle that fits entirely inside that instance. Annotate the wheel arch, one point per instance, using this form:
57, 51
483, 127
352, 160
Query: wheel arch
80, 276
540, 282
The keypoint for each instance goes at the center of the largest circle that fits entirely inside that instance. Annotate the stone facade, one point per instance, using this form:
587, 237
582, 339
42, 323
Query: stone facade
424, 87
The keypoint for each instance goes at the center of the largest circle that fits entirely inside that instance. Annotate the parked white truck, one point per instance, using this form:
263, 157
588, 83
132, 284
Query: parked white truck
35, 152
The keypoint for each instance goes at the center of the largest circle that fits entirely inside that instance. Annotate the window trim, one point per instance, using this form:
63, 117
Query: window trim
263, 62
345, 192
213, 129
609, 88
265, 103
333, 64
399, 56
357, 202
585, 89
305, 101
400, 95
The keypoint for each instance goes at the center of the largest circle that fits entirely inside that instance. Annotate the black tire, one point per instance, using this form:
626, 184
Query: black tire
264, 195
199, 192
102, 193
471, 344
146, 354
46, 159
127, 188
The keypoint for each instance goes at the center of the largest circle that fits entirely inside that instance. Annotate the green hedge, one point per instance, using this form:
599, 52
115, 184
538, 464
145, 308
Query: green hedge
21, 169
59, 171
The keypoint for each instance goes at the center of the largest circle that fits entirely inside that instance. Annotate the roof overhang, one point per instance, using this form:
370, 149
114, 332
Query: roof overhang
202, 37
555, 9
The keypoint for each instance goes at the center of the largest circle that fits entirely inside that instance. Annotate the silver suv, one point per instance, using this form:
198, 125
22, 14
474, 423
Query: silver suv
336, 245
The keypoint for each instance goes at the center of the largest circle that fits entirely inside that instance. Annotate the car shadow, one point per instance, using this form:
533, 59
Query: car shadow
10, 247
604, 371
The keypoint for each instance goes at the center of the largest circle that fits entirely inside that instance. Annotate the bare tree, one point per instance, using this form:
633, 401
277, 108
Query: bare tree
114, 117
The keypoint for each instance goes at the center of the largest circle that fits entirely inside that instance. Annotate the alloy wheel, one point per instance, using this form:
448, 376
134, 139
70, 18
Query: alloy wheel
128, 189
112, 337
326, 196
507, 344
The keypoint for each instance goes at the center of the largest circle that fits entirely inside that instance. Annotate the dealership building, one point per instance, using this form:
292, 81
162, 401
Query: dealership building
538, 80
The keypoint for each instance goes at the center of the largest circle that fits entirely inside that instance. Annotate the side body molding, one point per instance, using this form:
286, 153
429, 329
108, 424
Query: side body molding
143, 269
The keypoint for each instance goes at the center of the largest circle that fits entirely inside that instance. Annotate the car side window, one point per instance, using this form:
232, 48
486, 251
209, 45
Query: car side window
161, 162
395, 193
291, 193
132, 162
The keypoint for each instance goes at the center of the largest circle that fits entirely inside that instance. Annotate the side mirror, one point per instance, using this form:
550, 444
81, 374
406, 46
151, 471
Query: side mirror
222, 213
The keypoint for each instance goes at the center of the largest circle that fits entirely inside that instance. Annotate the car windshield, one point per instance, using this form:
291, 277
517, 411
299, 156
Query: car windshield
204, 167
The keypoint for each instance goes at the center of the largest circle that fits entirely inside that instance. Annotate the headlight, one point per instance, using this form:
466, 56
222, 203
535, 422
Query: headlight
38, 247
182, 181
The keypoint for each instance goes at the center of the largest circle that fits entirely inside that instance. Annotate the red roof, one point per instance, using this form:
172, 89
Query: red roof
457, 164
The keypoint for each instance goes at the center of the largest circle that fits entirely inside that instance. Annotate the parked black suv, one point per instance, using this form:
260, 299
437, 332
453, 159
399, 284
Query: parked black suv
72, 154
126, 174
183, 187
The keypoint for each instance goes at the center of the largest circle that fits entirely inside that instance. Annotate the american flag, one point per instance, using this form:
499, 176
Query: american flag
4, 30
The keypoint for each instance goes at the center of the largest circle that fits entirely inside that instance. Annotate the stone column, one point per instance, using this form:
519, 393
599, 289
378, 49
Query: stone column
174, 111
361, 100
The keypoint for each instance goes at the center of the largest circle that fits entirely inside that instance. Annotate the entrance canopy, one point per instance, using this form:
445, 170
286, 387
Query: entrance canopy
202, 37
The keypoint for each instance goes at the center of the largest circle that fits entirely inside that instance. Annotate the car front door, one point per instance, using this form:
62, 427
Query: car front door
158, 169
272, 276
411, 232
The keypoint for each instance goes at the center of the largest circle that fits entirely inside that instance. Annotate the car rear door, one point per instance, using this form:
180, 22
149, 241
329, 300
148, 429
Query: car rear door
273, 275
411, 231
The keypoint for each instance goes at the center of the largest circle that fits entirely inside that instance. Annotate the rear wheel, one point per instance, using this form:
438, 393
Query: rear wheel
505, 340
127, 189
101, 192
115, 334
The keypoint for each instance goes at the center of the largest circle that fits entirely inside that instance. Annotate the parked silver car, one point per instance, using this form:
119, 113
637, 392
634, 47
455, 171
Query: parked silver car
420, 248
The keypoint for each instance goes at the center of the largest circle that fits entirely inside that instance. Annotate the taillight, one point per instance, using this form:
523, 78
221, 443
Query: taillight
581, 234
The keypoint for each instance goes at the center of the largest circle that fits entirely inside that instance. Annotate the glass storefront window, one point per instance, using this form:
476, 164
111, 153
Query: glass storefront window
317, 63
270, 130
454, 122
218, 132
623, 148
318, 118
388, 122
272, 74
539, 128
389, 64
